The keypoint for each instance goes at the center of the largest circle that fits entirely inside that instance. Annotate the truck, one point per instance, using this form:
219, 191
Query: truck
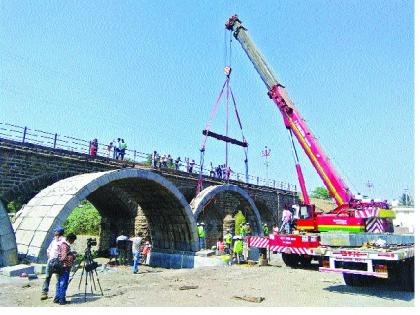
355, 239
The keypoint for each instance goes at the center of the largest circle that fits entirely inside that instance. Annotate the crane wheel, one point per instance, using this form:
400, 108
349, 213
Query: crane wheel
291, 260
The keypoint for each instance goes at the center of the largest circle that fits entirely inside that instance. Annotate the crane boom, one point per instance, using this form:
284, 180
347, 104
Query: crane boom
338, 190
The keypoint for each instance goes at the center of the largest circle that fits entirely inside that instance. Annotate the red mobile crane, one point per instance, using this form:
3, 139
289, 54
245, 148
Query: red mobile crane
351, 215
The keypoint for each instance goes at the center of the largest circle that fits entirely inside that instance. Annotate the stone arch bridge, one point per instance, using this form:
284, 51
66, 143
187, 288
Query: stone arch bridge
129, 197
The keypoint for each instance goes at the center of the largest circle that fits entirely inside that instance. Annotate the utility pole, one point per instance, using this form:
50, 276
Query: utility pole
370, 186
266, 153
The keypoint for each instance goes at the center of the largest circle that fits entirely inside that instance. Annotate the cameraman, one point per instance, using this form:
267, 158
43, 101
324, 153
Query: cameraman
52, 253
66, 258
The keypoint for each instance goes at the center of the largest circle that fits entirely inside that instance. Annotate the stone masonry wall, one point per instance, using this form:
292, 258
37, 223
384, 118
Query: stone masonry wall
25, 169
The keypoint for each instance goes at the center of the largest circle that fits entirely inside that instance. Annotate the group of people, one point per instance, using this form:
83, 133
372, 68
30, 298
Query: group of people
167, 161
220, 171
61, 260
120, 252
117, 148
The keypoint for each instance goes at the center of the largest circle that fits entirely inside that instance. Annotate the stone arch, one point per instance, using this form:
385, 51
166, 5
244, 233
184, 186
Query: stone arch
199, 203
169, 214
8, 250
27, 189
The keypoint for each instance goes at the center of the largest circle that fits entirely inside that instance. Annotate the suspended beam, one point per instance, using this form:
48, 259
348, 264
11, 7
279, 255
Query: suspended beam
224, 138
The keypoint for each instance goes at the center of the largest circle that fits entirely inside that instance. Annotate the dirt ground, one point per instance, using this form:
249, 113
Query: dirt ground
277, 284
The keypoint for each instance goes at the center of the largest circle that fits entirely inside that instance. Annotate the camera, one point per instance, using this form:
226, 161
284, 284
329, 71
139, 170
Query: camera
91, 242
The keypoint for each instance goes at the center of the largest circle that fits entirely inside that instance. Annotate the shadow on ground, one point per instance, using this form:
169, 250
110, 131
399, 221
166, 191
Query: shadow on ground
79, 298
386, 292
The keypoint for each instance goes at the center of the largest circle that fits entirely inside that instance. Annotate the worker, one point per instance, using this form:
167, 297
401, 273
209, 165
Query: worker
237, 247
242, 230
220, 247
228, 241
286, 220
265, 229
248, 231
201, 235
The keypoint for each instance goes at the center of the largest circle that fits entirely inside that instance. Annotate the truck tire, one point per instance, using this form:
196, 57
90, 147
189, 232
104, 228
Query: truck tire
406, 275
291, 260
305, 260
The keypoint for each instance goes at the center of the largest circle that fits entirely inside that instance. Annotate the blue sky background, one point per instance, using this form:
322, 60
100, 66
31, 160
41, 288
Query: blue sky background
150, 72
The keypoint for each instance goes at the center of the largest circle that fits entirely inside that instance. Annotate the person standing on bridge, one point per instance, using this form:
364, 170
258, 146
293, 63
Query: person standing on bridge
201, 235
123, 148
177, 163
155, 159
52, 253
118, 148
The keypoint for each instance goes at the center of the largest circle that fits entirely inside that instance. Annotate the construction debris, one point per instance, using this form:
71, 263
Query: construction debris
253, 299
188, 287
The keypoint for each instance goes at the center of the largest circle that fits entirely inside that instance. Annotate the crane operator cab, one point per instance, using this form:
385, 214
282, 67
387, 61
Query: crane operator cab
304, 217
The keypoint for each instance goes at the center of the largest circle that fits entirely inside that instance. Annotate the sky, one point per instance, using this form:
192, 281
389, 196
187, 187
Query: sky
150, 72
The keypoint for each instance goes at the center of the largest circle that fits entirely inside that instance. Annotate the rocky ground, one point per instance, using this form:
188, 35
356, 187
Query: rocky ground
210, 286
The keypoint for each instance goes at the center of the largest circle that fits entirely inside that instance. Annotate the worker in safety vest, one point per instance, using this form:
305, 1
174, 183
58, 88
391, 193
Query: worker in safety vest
242, 230
266, 230
228, 241
237, 247
201, 235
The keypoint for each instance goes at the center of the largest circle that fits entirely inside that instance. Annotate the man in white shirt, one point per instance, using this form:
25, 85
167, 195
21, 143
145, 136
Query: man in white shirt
136, 240
52, 252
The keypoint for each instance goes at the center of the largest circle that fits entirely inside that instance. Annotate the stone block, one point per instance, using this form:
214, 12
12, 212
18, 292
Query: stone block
54, 210
33, 251
14, 271
39, 269
38, 238
46, 224
24, 237
206, 262
342, 239
30, 223
205, 253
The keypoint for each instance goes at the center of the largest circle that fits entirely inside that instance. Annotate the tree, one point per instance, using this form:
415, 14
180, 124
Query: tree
84, 219
239, 218
320, 193
14, 206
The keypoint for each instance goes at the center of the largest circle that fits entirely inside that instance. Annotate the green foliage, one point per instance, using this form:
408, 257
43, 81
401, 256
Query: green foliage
321, 193
239, 218
14, 206
84, 219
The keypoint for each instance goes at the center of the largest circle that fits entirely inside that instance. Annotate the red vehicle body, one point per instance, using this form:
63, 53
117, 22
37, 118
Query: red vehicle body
352, 215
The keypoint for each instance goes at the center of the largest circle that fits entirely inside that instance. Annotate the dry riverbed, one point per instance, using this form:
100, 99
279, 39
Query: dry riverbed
278, 285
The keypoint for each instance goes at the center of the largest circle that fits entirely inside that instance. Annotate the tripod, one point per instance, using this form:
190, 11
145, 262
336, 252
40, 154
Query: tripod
88, 267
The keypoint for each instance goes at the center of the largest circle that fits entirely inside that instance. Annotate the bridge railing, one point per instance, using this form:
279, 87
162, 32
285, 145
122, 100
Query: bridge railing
72, 144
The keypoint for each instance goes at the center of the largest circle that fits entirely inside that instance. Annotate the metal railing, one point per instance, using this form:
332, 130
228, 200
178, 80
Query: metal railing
60, 142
